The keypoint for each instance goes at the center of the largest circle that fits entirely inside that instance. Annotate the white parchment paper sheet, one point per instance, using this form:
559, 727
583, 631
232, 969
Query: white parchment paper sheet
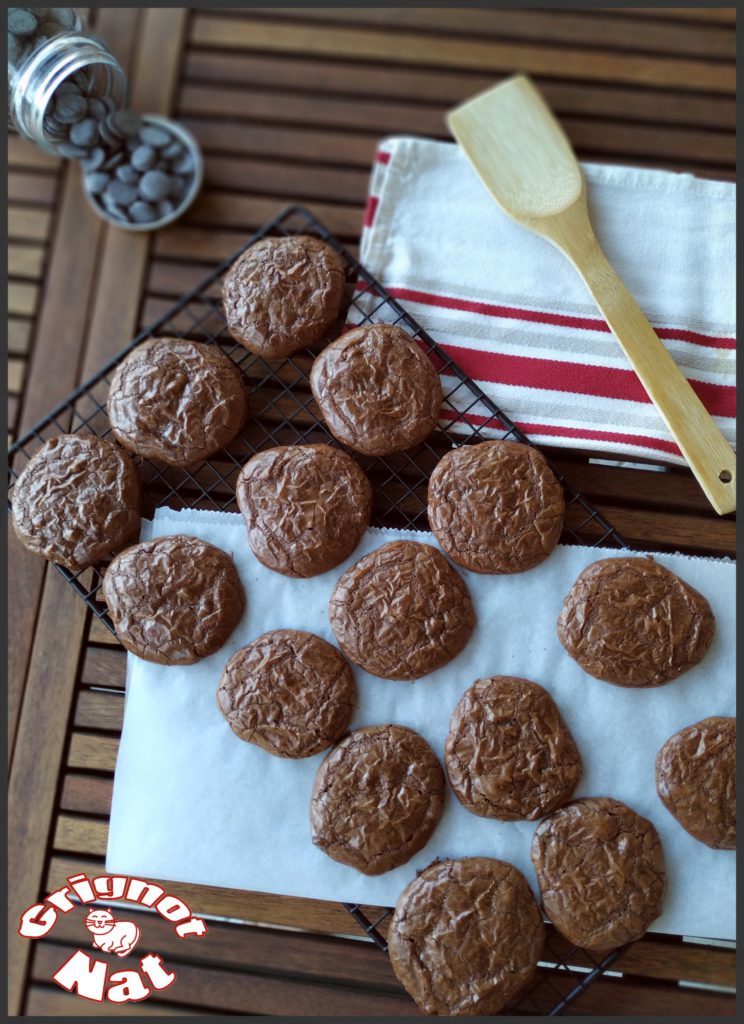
193, 803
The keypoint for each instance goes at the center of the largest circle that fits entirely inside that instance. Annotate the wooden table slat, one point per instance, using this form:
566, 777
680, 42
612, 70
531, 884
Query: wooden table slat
22, 298
250, 907
51, 1001
19, 335
295, 73
24, 154
28, 223
38, 189
411, 48
655, 957
25, 260
719, 15
257, 993
240, 991
602, 30
87, 794
389, 117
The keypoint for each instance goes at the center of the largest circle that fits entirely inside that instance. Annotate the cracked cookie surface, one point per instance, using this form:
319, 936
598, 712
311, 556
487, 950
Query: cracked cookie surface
77, 500
631, 622
401, 611
466, 936
377, 390
495, 507
600, 868
509, 754
173, 600
306, 507
290, 692
696, 780
377, 798
283, 294
177, 401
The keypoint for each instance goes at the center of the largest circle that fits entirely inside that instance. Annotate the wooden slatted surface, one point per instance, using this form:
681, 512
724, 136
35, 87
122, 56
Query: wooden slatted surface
289, 105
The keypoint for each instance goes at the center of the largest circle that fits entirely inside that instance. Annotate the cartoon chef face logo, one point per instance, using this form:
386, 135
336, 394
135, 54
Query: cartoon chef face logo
110, 935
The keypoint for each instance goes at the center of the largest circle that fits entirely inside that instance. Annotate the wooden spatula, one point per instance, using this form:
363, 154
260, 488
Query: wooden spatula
526, 162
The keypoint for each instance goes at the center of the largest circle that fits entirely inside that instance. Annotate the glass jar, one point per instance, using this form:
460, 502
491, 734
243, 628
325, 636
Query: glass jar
46, 47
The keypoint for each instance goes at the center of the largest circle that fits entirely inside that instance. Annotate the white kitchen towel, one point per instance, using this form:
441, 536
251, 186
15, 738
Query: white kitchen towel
193, 803
515, 315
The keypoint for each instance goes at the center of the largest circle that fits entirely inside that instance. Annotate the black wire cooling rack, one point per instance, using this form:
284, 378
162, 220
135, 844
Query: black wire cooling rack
283, 412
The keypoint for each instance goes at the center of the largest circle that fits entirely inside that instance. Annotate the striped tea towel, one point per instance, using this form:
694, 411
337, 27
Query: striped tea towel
516, 316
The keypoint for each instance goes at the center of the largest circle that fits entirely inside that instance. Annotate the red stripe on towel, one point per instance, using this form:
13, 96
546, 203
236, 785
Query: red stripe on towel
577, 433
370, 211
554, 319
576, 378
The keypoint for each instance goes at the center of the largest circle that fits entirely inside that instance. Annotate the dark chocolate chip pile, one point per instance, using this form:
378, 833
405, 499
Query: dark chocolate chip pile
137, 171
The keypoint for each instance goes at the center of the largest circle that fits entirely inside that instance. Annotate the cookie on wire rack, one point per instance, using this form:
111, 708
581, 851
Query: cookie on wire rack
177, 401
77, 501
283, 294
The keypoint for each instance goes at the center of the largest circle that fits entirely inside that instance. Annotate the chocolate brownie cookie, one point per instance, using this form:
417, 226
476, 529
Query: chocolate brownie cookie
600, 868
173, 600
306, 507
283, 294
289, 692
401, 611
378, 392
509, 754
77, 501
495, 507
377, 798
177, 401
632, 622
696, 780
466, 936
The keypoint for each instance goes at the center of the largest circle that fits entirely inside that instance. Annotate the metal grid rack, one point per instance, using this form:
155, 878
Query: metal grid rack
283, 412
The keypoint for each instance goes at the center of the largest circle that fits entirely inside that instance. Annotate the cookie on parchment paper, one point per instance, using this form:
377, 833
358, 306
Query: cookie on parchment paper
509, 754
696, 780
289, 692
401, 611
600, 868
377, 798
173, 600
632, 622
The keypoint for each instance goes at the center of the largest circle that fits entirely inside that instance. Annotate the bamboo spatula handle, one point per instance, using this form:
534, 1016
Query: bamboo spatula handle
706, 450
